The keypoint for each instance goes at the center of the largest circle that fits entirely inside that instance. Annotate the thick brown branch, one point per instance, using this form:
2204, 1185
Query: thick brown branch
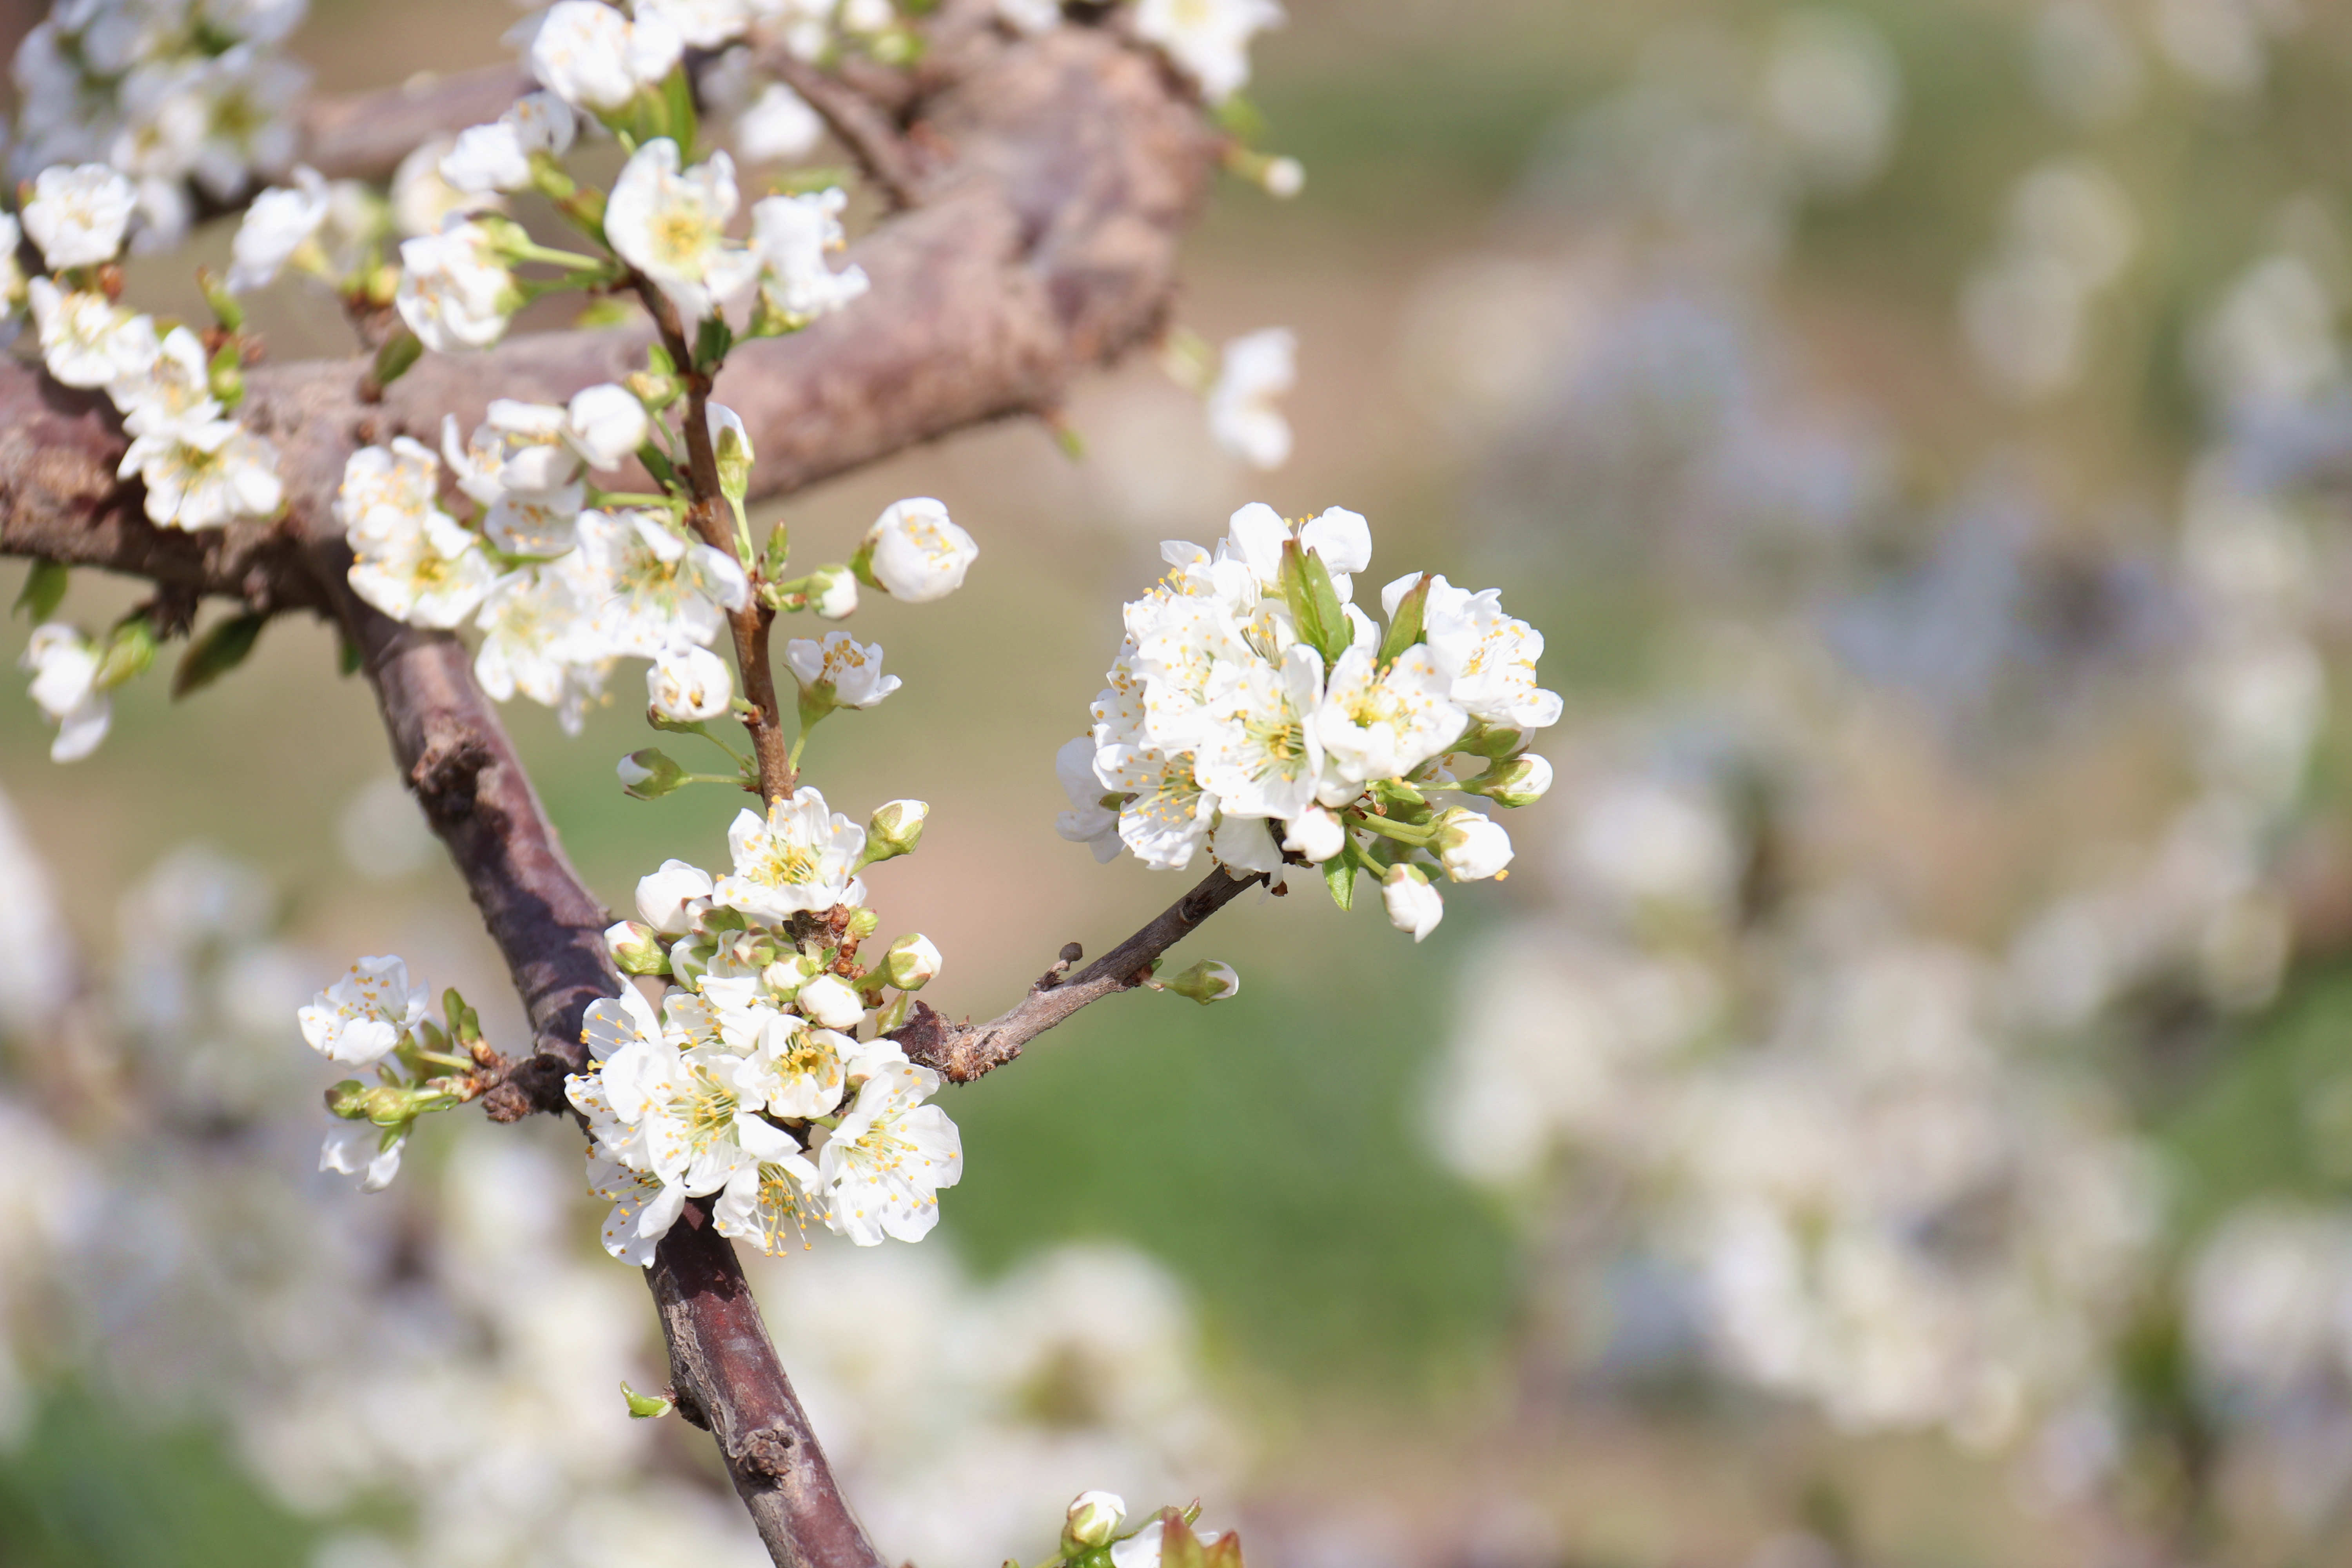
961, 1052
726, 1378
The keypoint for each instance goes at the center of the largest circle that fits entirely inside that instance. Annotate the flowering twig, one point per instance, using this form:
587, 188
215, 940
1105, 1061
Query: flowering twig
961, 1052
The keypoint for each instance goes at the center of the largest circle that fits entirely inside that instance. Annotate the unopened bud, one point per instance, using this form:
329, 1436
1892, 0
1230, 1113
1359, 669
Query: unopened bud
828, 1001
1474, 847
1316, 834
864, 923
894, 830
732, 445
1515, 782
655, 391
912, 963
833, 592
1094, 1519
1206, 982
650, 774
1481, 742
128, 652
227, 374
1283, 178
226, 308
1413, 904
387, 1105
634, 949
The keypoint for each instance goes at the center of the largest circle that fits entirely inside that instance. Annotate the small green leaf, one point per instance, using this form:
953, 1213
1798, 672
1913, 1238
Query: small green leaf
678, 110
646, 1407
1314, 601
216, 653
1405, 625
711, 342
128, 652
664, 471
1340, 878
45, 589
348, 658
400, 352
779, 552
657, 360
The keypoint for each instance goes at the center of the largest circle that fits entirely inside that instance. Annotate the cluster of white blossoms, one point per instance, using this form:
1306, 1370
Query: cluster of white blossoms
374, 1017
765, 1079
172, 93
1208, 40
1256, 712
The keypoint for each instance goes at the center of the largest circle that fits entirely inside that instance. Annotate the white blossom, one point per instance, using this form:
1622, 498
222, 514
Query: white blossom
644, 1208
77, 216
1169, 817
363, 1016
672, 226
428, 572
173, 394
487, 158
884, 1166
1208, 39
1489, 658
689, 685
672, 898
1474, 847
1316, 834
1413, 905
422, 203
455, 293
1253, 372
401, 480
791, 236
85, 339
828, 1000
769, 1202
1261, 755
280, 222
64, 665
701, 23
802, 856
1382, 724
1087, 821
538, 641
206, 476
840, 669
917, 552
779, 125
364, 1149
592, 56
652, 589
607, 424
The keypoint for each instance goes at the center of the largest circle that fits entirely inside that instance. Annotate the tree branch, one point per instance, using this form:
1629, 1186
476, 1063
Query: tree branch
1047, 245
963, 1052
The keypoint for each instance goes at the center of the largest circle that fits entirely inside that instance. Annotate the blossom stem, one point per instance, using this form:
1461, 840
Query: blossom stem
1403, 833
750, 625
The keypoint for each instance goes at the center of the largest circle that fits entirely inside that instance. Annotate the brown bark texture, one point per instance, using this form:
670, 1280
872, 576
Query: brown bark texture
1043, 187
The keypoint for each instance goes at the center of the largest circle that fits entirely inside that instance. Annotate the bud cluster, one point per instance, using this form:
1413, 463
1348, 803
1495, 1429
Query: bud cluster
1256, 712
374, 1017
764, 1077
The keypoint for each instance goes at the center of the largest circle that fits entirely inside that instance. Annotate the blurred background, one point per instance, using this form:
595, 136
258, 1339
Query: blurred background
1898, 1111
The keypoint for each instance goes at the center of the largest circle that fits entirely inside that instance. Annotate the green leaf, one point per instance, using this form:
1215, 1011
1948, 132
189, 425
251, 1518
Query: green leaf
400, 352
1314, 602
45, 589
1340, 878
657, 360
216, 653
779, 552
348, 657
664, 471
678, 112
644, 1406
711, 342
1405, 625
128, 651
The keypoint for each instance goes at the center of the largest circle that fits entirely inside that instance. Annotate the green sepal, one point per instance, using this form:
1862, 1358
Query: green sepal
215, 654
1405, 626
45, 589
779, 552
1404, 803
678, 112
657, 360
1314, 602
225, 373
1493, 744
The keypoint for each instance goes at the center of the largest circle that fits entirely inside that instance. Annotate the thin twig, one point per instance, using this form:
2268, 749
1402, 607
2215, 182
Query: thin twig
963, 1052
885, 155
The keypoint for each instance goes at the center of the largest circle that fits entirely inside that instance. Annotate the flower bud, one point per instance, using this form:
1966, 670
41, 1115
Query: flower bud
1206, 982
732, 445
1483, 742
912, 963
786, 975
650, 774
1094, 1519
864, 923
894, 829
829, 1002
689, 956
1473, 848
634, 949
669, 899
688, 685
915, 552
1317, 833
833, 592
1515, 780
605, 424
653, 390
1413, 904
1284, 178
